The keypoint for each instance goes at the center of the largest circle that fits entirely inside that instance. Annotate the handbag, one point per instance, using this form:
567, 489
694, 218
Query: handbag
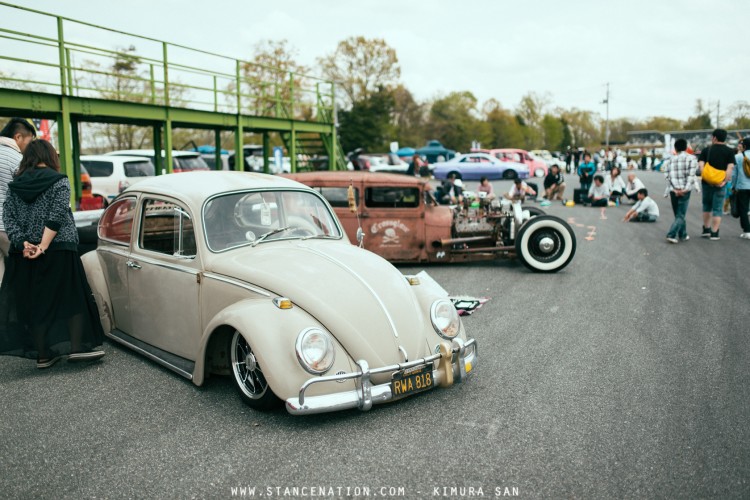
710, 174
746, 165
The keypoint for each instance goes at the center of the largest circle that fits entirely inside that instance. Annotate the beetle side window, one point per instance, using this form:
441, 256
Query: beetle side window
117, 222
167, 228
392, 197
337, 196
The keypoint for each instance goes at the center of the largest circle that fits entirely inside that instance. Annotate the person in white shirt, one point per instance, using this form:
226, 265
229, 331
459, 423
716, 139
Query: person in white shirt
519, 190
633, 186
598, 192
615, 184
645, 210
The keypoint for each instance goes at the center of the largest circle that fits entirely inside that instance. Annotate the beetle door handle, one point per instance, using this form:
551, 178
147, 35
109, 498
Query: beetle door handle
133, 265
364, 215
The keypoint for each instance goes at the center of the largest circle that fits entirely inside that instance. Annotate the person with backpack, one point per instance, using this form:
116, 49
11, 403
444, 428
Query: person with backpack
741, 183
715, 165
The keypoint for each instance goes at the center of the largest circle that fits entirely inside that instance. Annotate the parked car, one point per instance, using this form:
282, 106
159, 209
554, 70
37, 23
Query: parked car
110, 175
435, 152
537, 167
251, 276
402, 222
387, 163
182, 161
474, 166
548, 158
253, 155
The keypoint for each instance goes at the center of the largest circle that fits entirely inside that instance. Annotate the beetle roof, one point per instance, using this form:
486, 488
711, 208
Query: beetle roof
197, 186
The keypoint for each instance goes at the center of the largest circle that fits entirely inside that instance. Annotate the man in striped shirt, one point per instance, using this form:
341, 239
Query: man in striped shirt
680, 173
15, 136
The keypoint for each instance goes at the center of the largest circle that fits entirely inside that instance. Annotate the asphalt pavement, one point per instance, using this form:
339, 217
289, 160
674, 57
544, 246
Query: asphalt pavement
625, 375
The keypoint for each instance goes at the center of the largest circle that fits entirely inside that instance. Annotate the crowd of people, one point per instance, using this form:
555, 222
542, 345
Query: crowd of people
718, 172
47, 310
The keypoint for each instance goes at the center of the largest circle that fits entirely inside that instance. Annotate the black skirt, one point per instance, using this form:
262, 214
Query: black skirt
46, 307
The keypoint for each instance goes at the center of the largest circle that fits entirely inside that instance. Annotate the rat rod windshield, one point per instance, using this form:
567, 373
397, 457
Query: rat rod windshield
244, 218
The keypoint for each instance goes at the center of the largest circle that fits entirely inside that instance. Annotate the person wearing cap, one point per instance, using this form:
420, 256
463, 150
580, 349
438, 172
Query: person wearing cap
14, 137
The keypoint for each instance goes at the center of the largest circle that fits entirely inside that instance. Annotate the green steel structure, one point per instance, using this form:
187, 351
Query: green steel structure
63, 76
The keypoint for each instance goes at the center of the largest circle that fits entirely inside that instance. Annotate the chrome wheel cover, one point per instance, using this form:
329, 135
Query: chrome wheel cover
245, 368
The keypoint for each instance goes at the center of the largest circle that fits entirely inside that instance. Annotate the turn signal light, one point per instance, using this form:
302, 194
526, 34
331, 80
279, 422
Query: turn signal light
282, 303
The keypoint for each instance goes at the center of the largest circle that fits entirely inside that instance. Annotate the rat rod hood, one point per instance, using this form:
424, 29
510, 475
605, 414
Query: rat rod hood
359, 297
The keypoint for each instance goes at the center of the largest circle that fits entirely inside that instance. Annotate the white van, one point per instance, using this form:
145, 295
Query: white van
182, 161
111, 174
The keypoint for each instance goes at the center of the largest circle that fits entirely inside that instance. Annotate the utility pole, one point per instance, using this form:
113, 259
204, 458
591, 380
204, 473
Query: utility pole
606, 133
718, 108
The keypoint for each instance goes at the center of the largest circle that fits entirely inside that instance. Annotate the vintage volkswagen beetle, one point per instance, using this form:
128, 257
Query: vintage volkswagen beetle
251, 276
402, 222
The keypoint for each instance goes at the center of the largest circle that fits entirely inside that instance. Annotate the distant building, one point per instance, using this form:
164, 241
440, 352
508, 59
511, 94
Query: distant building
697, 139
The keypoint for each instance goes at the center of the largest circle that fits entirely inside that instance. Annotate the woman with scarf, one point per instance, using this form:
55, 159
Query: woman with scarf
47, 310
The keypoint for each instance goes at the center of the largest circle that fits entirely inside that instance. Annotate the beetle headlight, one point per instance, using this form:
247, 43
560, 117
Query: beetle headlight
315, 350
444, 318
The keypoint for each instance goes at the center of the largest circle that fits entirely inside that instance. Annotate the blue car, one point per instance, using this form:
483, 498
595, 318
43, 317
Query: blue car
474, 166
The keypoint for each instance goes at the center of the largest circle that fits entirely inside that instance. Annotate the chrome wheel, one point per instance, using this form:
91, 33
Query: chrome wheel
545, 244
246, 371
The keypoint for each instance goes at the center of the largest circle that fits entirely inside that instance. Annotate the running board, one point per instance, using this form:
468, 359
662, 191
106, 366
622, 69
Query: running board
180, 366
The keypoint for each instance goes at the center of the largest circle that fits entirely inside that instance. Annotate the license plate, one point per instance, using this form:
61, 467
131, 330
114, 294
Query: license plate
412, 380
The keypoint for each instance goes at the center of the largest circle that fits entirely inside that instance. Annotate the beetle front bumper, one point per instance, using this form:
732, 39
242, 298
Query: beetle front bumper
452, 364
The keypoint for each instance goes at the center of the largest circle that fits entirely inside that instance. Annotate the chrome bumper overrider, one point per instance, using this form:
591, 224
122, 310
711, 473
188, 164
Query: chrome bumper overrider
452, 364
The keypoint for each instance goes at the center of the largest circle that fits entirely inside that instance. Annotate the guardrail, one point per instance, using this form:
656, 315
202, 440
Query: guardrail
149, 71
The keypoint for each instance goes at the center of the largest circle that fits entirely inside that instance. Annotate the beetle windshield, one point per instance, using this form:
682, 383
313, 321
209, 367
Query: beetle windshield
244, 218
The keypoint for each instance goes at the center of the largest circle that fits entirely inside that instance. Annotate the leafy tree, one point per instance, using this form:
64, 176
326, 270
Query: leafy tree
367, 124
269, 79
662, 123
739, 112
701, 119
530, 112
362, 67
504, 130
552, 129
408, 117
582, 125
453, 120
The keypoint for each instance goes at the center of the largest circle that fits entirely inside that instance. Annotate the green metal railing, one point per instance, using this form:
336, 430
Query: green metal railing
149, 72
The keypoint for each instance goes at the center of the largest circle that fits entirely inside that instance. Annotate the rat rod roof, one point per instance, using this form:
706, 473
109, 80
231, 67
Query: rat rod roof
357, 176
197, 186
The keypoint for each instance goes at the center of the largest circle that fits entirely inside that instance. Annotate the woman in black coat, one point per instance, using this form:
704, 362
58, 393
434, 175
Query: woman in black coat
47, 310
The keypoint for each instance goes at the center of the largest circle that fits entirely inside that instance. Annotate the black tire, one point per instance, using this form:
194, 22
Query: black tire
545, 244
534, 211
510, 174
456, 173
249, 380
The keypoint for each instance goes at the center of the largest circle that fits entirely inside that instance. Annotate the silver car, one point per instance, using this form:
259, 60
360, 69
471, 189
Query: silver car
251, 276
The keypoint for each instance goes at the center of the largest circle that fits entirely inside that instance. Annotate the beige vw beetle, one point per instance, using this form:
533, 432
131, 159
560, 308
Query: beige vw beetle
251, 276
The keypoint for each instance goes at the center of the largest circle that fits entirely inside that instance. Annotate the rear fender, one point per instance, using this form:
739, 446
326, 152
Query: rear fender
272, 334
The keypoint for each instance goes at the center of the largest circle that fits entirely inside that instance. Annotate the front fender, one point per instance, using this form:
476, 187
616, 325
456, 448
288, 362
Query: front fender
272, 334
95, 276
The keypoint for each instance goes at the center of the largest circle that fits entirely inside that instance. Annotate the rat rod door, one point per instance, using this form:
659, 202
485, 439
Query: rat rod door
393, 222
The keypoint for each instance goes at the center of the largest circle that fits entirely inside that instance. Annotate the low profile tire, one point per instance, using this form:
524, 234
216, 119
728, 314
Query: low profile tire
456, 173
545, 244
248, 377
510, 174
534, 211
539, 172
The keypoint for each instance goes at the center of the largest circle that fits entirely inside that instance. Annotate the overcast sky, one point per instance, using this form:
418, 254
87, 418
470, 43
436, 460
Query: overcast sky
659, 56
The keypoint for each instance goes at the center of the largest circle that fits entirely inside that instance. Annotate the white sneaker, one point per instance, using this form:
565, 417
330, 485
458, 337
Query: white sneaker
745, 236
673, 240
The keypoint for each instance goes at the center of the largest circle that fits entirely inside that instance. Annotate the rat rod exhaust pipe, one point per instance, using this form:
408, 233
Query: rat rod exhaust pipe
456, 241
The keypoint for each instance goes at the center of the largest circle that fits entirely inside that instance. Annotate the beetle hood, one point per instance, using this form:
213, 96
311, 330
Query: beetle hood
359, 297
